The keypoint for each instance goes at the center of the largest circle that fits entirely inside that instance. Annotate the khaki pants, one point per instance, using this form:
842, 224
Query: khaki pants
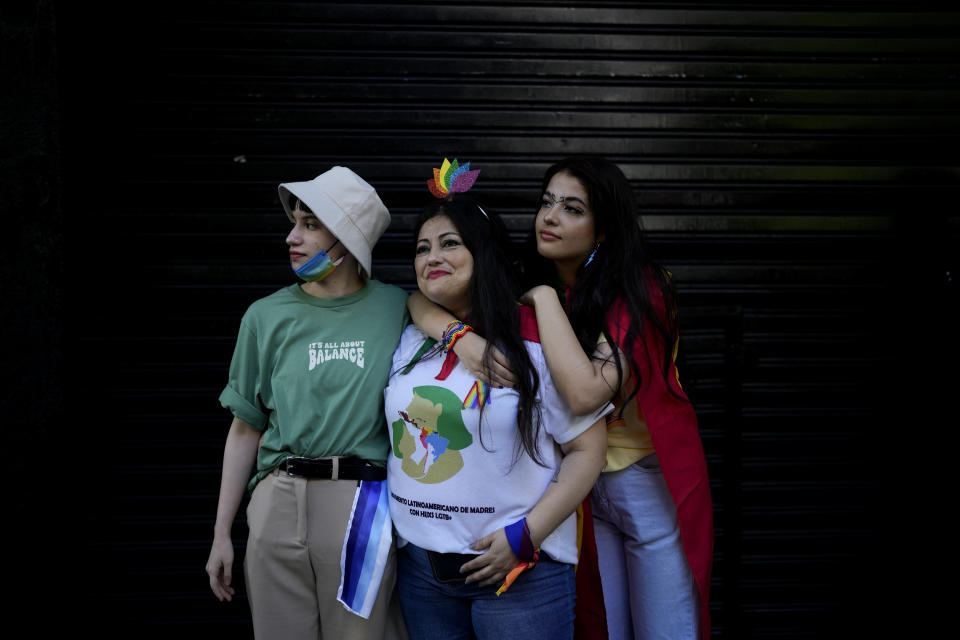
292, 564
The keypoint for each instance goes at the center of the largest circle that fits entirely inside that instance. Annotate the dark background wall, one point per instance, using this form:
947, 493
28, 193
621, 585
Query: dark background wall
796, 169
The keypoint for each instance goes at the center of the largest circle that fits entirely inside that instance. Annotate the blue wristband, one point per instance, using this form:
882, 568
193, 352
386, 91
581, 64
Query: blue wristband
518, 535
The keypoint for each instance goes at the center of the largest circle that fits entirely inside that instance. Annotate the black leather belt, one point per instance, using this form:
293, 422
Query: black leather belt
332, 468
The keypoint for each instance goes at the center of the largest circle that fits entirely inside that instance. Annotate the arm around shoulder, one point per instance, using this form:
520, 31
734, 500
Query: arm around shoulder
433, 319
430, 318
586, 383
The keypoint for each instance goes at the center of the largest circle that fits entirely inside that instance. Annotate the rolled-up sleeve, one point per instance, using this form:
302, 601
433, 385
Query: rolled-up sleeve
242, 394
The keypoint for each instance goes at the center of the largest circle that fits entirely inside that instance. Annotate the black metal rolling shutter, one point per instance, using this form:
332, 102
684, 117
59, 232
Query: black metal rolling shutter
775, 154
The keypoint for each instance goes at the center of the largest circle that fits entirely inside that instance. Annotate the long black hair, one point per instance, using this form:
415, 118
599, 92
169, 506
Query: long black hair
622, 269
494, 314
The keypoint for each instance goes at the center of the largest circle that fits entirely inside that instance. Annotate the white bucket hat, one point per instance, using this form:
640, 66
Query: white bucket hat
346, 205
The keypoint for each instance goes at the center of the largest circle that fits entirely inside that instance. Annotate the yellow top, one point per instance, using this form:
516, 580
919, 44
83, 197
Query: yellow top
627, 437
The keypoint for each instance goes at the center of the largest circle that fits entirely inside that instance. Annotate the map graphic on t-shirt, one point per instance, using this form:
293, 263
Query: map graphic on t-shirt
429, 435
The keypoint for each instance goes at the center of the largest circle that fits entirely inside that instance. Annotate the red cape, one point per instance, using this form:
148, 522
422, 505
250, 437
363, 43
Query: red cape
672, 424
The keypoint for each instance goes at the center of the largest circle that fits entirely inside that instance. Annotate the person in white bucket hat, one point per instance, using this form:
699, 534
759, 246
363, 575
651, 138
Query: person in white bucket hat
305, 388
346, 205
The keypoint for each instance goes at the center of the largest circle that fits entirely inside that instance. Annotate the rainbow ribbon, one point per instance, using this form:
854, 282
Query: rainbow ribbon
478, 396
516, 571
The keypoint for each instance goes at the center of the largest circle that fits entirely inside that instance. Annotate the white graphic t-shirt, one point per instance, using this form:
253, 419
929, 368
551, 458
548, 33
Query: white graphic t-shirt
453, 480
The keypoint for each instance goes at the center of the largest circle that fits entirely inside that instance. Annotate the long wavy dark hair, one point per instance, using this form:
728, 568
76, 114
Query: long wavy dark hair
494, 289
622, 268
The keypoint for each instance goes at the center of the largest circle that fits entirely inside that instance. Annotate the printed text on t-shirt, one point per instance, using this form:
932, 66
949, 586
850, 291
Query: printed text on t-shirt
437, 510
351, 350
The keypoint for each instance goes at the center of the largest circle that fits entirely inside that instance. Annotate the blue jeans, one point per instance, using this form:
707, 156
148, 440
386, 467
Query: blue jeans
648, 588
538, 605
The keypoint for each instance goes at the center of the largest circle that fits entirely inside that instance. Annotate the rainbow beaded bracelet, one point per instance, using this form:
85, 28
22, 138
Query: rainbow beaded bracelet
454, 331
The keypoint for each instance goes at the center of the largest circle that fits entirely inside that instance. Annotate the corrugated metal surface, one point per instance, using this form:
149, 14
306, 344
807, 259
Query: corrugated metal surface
32, 312
774, 154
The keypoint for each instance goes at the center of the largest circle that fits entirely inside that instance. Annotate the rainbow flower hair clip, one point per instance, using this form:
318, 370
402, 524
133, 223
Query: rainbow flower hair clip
452, 177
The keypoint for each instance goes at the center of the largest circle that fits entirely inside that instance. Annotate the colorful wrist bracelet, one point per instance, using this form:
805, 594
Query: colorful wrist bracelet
454, 331
518, 535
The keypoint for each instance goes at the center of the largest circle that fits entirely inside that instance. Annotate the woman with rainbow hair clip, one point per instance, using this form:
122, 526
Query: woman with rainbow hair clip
483, 479
608, 324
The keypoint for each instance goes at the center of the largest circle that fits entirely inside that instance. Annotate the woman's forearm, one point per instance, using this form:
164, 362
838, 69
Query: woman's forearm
584, 458
430, 318
585, 383
433, 319
239, 455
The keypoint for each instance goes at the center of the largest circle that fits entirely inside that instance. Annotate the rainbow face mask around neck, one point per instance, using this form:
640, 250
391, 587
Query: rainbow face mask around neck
318, 267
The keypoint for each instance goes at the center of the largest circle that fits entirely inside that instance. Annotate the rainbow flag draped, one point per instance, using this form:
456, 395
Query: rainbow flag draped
366, 547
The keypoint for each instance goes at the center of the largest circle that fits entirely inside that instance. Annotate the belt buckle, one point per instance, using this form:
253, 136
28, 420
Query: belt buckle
288, 460
334, 463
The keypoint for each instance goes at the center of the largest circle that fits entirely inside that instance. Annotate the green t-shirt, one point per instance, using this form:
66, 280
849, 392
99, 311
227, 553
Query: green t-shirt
310, 372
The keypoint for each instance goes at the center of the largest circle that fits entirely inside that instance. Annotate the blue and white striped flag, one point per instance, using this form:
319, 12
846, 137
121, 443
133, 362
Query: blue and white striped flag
366, 547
